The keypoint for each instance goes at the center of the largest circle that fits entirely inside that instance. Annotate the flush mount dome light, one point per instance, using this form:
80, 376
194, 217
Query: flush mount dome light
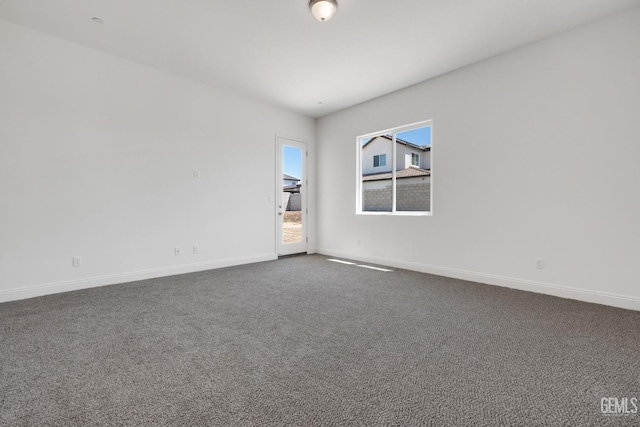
323, 10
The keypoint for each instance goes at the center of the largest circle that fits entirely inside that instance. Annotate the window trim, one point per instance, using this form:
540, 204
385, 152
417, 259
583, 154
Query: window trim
380, 157
417, 157
393, 131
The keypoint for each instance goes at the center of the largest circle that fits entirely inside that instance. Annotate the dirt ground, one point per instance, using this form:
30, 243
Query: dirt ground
292, 227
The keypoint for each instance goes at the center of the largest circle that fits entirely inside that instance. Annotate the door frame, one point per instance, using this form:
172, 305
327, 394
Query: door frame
281, 248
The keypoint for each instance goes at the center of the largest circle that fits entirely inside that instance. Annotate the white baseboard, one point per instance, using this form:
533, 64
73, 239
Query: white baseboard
112, 279
598, 297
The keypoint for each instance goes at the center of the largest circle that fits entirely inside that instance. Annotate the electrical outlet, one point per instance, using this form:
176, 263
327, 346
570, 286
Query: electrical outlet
76, 261
178, 251
540, 264
196, 250
196, 173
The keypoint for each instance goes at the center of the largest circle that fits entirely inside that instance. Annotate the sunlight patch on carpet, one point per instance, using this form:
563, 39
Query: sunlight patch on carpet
359, 265
373, 268
342, 262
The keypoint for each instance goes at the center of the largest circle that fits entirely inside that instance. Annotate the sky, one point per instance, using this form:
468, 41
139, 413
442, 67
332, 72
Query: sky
421, 136
292, 161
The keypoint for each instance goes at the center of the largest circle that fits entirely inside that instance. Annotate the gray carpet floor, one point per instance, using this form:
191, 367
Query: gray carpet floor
304, 341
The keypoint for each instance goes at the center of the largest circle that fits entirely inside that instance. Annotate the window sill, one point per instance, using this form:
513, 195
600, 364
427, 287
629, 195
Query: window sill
409, 213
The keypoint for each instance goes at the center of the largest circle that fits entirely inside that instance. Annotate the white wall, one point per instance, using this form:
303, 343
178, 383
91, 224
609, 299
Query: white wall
403, 156
97, 159
535, 155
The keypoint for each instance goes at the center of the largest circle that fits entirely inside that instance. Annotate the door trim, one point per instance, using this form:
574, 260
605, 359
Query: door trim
280, 140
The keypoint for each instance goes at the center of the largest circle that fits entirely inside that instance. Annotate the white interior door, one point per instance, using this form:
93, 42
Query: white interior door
291, 206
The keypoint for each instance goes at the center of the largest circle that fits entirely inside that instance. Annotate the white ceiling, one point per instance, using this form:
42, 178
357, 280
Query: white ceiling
276, 51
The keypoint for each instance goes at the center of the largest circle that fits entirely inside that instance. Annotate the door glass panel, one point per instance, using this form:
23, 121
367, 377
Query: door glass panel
292, 188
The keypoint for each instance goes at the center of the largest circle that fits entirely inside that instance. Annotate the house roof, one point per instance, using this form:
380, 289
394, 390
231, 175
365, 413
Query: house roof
410, 172
291, 188
400, 141
289, 177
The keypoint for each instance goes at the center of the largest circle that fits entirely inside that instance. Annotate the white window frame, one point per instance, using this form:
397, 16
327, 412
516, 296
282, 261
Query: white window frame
393, 132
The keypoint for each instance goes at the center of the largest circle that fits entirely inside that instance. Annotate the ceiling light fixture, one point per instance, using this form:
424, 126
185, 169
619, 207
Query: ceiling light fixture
323, 10
97, 20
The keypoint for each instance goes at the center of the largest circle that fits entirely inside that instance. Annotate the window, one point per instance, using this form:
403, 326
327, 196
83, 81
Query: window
403, 185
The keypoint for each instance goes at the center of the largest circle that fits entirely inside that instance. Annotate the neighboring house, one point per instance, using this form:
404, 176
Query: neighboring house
292, 197
413, 175
376, 155
288, 180
290, 184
